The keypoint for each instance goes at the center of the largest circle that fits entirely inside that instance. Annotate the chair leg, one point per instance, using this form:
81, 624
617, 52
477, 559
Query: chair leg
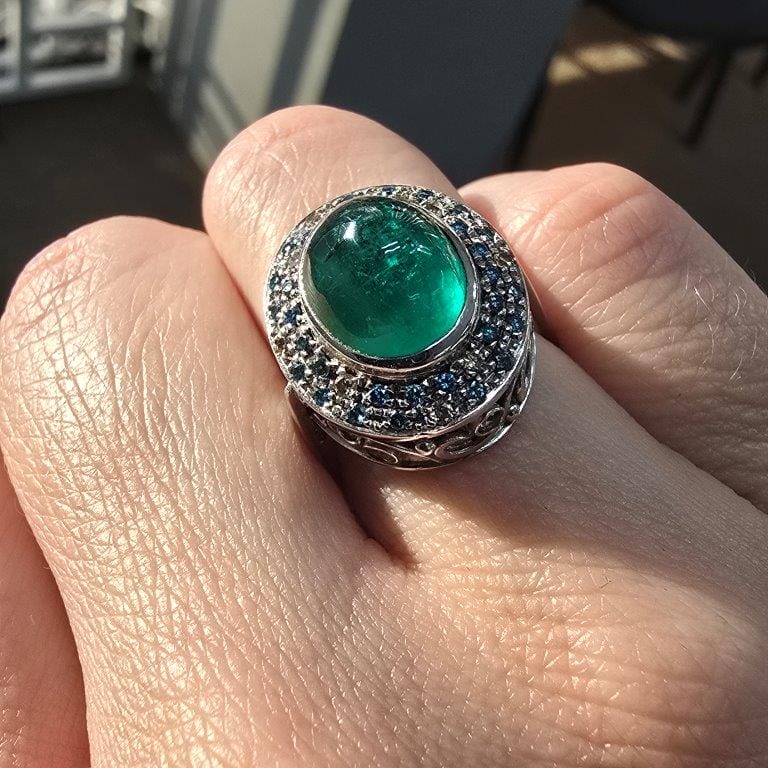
693, 74
761, 71
721, 62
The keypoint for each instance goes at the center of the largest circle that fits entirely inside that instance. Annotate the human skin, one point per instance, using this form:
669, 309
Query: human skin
592, 591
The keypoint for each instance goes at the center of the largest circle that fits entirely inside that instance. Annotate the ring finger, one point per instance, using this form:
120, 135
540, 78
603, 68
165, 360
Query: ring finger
577, 498
272, 176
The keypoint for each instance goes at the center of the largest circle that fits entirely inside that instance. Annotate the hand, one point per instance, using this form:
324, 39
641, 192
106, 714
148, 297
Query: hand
593, 591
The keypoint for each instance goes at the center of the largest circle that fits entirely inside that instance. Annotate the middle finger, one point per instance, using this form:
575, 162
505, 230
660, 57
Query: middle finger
576, 466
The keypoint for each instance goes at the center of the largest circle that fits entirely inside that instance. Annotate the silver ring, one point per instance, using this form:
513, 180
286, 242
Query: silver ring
413, 407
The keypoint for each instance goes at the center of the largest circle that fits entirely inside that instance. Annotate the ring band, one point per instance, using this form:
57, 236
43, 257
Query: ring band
402, 323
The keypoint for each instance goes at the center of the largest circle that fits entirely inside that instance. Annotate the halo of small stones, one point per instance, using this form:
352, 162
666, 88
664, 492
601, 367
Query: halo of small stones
431, 399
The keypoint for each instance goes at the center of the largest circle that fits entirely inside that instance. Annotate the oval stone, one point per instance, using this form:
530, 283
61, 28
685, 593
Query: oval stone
383, 279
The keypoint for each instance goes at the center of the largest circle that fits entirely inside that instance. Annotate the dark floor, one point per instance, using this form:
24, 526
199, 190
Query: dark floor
611, 96
69, 160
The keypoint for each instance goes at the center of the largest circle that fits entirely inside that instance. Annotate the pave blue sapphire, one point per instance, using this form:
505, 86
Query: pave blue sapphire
490, 333
495, 302
492, 274
319, 367
445, 382
380, 396
356, 416
476, 390
414, 394
291, 315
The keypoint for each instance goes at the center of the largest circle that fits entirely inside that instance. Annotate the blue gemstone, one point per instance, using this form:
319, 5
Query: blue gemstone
356, 416
476, 390
398, 422
387, 190
297, 371
492, 274
481, 250
460, 228
319, 367
322, 396
414, 394
505, 361
490, 334
446, 382
516, 323
380, 395
302, 343
423, 194
274, 279
291, 315
495, 302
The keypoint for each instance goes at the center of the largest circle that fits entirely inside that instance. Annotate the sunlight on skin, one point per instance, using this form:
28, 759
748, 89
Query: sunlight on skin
580, 595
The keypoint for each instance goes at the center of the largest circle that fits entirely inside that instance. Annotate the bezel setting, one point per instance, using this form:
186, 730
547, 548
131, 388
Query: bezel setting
454, 398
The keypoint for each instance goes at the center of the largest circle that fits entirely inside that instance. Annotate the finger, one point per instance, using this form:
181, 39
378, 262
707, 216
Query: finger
575, 498
277, 171
286, 165
42, 711
290, 162
650, 306
200, 553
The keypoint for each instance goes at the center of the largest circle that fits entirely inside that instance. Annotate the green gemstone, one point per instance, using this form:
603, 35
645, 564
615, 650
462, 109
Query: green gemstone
384, 279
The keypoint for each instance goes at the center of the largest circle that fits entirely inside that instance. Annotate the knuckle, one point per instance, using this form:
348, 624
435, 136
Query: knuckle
271, 139
619, 220
628, 259
76, 267
65, 268
78, 309
605, 230
282, 127
624, 179
276, 155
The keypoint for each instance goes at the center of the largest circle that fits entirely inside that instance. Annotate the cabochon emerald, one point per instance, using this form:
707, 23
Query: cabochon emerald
384, 279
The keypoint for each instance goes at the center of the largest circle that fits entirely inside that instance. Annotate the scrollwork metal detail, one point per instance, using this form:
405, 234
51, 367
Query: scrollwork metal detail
467, 438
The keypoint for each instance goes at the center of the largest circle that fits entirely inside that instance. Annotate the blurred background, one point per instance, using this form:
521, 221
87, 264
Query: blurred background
119, 106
